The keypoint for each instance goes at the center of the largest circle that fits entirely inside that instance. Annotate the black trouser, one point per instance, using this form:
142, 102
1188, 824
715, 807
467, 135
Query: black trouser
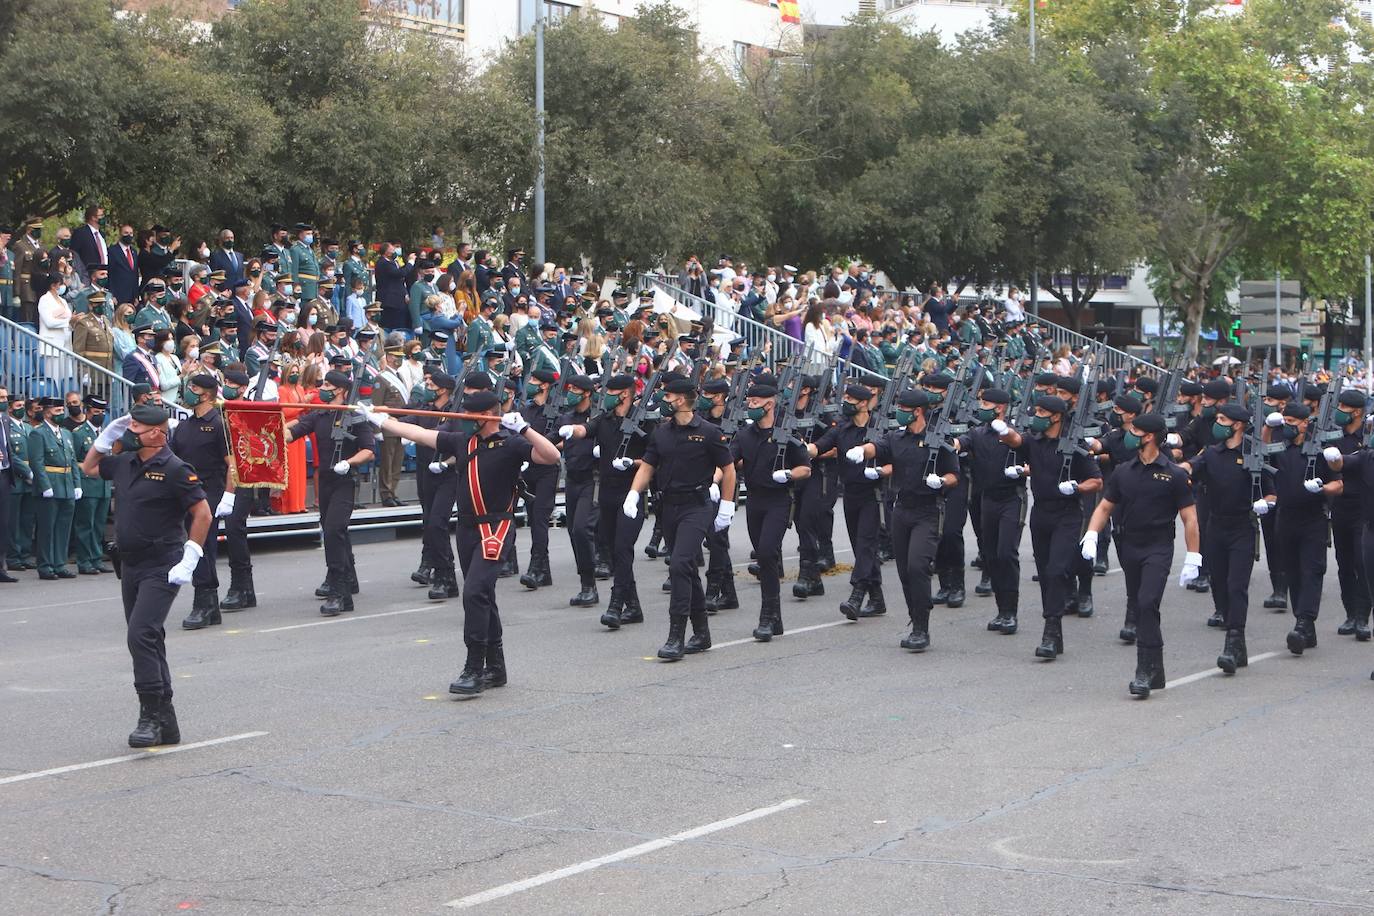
717, 548
1302, 549
207, 573
6, 483
685, 523
424, 494
1204, 519
581, 522
541, 486
236, 530
806, 498
1003, 517
1145, 562
1083, 569
768, 518
975, 515
824, 527
1347, 536
1272, 558
481, 618
1230, 549
861, 519
1056, 528
950, 553
147, 599
1104, 540
620, 533
1367, 550
443, 491
915, 540
336, 510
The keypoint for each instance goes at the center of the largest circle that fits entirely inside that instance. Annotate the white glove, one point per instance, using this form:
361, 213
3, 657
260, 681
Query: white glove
1000, 428
1192, 564
934, 481
181, 573
1261, 506
341, 468
1068, 487
172, 424
631, 506
596, 451
724, 514
514, 422
46, 494
566, 431
371, 416
622, 464
1012, 473
436, 467
1093, 444
856, 454
104, 443
226, 506
76, 493
1088, 546
1312, 486
871, 473
1275, 419
1331, 454
782, 476
1172, 440
715, 492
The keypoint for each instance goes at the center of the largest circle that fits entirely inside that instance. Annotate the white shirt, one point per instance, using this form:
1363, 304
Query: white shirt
1014, 310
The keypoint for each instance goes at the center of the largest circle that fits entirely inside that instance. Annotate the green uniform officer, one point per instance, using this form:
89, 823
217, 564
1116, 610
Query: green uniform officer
93, 508
527, 340
153, 311
480, 336
52, 458
6, 274
420, 290
355, 268
21, 512
304, 266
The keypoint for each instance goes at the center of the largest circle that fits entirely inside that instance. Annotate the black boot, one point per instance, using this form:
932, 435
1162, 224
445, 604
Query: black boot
651, 549
204, 610
510, 565
1233, 653
148, 732
611, 619
1216, 620
632, 612
677, 631
1302, 636
984, 586
240, 596
421, 576
469, 682
1202, 584
918, 640
801, 589
587, 597
851, 606
494, 674
443, 583
530, 578
352, 577
1052, 641
977, 561
728, 599
701, 634
1362, 632
1006, 614
602, 570
826, 561
956, 595
338, 602
167, 718
667, 584
1278, 598
877, 605
1127, 634
1149, 671
770, 620
1347, 628
325, 588
942, 595
1085, 604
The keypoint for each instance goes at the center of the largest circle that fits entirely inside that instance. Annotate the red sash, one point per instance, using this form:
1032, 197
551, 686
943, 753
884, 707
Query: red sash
492, 538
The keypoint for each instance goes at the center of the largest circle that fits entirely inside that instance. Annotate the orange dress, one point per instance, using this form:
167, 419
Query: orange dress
292, 499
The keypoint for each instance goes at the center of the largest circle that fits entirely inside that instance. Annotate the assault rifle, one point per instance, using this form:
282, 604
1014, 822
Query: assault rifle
1166, 403
957, 399
786, 423
633, 424
1254, 454
962, 397
883, 418
1077, 423
734, 401
1323, 427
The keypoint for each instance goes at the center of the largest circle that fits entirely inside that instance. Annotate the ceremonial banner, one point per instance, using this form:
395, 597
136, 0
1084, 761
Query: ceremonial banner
791, 11
257, 444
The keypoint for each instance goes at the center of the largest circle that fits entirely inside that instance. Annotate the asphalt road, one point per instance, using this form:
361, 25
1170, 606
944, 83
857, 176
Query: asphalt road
826, 772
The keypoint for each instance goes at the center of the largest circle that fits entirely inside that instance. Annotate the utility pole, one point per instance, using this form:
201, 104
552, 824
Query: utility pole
1278, 316
1368, 332
1035, 271
539, 132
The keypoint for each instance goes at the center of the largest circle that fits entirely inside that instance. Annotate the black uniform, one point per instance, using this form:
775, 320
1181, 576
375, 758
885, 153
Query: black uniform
579, 498
720, 574
1230, 543
768, 513
860, 505
814, 515
154, 497
1148, 498
336, 490
1056, 520
541, 489
1301, 528
1347, 536
1002, 504
203, 443
1358, 468
436, 493
613, 529
949, 556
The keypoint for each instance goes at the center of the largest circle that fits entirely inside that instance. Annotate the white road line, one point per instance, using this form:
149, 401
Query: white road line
819, 626
515, 887
785, 559
153, 752
321, 623
43, 607
1213, 672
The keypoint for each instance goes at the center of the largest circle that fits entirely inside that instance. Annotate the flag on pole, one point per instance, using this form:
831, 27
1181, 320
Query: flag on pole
257, 444
791, 12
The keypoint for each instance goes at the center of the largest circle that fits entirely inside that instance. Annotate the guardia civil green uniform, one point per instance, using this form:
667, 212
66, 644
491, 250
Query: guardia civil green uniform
356, 270
155, 315
7, 284
480, 336
93, 508
527, 340
22, 512
305, 268
52, 458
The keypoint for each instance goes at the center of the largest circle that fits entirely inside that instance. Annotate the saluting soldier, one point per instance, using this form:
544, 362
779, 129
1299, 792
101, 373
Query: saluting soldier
423, 287
579, 495
355, 268
304, 266
92, 510
860, 482
92, 333
540, 480
52, 457
999, 485
203, 443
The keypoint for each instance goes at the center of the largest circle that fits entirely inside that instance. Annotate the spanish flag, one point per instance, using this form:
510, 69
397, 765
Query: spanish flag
791, 12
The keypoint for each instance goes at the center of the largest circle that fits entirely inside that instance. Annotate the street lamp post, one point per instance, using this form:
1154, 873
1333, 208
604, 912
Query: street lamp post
1368, 332
539, 131
1035, 270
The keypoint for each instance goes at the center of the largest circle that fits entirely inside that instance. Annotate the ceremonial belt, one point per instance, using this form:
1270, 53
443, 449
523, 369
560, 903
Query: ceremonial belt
493, 538
307, 277
52, 470
5, 281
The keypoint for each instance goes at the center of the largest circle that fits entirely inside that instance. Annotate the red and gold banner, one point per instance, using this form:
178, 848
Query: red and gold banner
257, 444
791, 11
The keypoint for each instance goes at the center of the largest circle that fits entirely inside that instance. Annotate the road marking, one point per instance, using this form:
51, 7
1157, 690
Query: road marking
151, 752
515, 887
321, 623
41, 607
1213, 672
750, 639
793, 557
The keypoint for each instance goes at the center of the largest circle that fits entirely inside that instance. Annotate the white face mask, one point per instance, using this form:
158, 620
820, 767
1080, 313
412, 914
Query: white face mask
193, 353
168, 346
772, 278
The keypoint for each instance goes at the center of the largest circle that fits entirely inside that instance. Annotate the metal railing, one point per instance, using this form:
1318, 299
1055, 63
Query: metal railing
32, 367
1109, 359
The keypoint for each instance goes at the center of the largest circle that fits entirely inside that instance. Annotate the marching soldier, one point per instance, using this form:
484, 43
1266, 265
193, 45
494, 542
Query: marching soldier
813, 496
93, 508
1069, 389
52, 458
389, 391
304, 267
720, 574
202, 442
1113, 451
860, 481
579, 495
242, 593
437, 484
1347, 527
490, 453
1151, 492
540, 480
949, 559
1001, 490
685, 454
1275, 399
767, 468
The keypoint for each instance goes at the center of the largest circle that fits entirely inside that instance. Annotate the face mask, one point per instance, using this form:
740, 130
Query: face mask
610, 401
772, 278
756, 413
1208, 413
16, 410
98, 282
1342, 417
985, 414
427, 395
313, 319
327, 395
168, 346
229, 339
228, 245
467, 428
704, 403
904, 417
1221, 433
231, 394
515, 290
35, 234
935, 396
126, 239
58, 416
308, 238
193, 353
1115, 420
1041, 424
97, 419
204, 253
189, 397
130, 441
164, 240
849, 409
573, 398
255, 273
146, 343
1289, 433
1131, 441
62, 289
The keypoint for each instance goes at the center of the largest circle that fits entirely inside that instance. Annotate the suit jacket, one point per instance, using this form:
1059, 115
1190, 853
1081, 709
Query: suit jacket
510, 272
393, 293
86, 242
123, 282
243, 314
140, 369
231, 262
